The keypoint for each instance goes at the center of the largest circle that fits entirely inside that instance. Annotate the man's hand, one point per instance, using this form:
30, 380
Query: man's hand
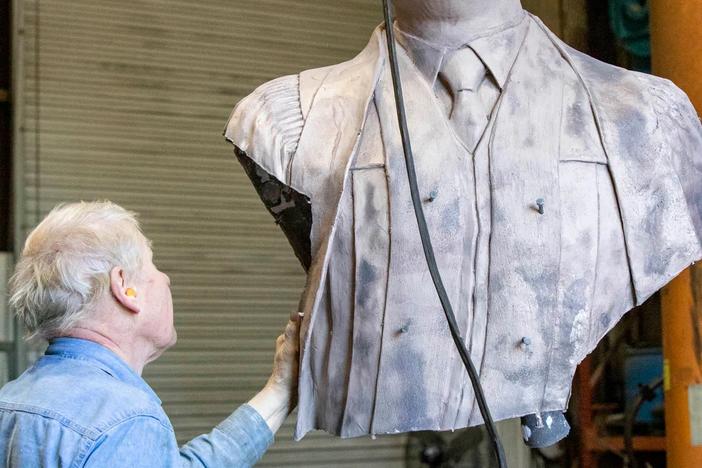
279, 397
285, 362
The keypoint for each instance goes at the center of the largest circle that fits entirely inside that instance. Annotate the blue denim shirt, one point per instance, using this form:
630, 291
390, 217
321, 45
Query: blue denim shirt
80, 405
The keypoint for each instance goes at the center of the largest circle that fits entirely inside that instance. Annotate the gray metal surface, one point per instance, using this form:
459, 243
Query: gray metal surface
553, 276
544, 429
126, 101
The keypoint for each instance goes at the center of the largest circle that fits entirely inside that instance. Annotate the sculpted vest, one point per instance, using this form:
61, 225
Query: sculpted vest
617, 158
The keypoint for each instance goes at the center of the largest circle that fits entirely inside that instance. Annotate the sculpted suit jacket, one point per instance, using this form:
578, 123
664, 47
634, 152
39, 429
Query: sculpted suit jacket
616, 156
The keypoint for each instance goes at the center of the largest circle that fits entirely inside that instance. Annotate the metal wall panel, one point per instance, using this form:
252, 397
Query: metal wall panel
6, 322
127, 101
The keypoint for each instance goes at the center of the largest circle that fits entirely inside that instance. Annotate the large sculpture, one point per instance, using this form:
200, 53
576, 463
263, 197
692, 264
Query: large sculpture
560, 192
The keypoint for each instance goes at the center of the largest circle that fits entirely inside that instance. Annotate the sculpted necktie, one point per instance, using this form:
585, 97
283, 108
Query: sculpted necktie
463, 73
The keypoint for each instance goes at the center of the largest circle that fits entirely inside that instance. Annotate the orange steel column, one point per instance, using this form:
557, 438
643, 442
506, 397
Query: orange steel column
681, 368
676, 39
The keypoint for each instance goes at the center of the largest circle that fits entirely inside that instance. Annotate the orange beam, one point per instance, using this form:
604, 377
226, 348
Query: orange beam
681, 369
676, 40
596, 443
587, 427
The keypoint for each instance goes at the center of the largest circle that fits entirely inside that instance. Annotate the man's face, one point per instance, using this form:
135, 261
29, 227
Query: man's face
157, 306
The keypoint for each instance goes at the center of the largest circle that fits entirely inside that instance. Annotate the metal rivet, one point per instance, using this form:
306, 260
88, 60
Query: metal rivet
526, 342
540, 205
432, 195
404, 329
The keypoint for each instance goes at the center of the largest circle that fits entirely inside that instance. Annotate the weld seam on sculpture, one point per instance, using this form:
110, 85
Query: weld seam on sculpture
493, 132
385, 300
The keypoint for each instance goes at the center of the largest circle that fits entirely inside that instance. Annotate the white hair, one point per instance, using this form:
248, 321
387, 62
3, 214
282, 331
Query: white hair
66, 263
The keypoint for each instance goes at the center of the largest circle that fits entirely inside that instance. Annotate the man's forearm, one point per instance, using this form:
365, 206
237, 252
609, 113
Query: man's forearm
273, 404
240, 440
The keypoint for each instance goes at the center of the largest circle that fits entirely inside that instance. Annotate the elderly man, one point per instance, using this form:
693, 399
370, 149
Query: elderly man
87, 283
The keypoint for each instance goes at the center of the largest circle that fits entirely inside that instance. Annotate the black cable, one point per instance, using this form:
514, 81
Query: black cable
646, 393
427, 246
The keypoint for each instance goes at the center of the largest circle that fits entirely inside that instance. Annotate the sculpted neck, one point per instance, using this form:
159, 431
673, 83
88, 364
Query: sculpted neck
452, 22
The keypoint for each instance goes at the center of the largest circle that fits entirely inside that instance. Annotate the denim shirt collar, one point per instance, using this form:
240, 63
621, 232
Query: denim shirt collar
101, 357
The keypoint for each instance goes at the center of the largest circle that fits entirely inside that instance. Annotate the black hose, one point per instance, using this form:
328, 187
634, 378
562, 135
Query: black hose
427, 246
646, 393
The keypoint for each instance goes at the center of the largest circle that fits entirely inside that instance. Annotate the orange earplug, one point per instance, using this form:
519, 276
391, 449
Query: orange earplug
130, 292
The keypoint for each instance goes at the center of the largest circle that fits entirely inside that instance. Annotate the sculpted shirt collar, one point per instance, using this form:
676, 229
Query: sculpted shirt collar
100, 357
497, 48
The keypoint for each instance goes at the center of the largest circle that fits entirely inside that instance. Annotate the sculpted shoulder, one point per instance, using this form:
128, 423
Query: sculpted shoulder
653, 140
645, 92
268, 123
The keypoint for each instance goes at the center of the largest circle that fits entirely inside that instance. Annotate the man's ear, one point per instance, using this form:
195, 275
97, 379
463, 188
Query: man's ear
122, 293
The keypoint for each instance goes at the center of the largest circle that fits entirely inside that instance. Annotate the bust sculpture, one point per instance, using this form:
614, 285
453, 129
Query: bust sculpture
560, 192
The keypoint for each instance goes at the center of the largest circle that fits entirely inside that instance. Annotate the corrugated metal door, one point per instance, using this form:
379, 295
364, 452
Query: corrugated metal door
126, 101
